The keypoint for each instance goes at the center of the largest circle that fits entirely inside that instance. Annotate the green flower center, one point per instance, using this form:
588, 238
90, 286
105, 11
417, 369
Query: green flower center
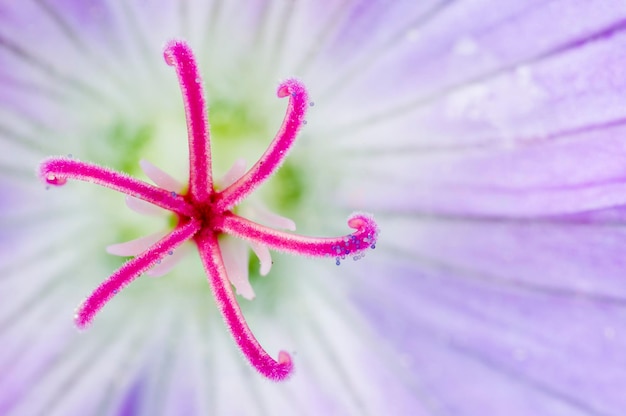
238, 130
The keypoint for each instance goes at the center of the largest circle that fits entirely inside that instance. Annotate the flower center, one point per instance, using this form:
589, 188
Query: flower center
205, 213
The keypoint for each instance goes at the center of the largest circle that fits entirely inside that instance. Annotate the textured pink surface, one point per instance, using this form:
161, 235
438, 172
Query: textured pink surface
204, 213
353, 244
276, 152
227, 304
56, 170
131, 270
178, 54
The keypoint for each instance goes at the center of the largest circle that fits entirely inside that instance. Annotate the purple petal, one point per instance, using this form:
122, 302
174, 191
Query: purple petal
483, 347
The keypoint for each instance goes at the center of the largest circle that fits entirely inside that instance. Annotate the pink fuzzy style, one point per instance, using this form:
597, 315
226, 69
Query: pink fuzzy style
204, 213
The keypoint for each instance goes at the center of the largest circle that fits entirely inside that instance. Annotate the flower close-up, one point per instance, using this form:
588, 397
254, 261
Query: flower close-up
205, 214
176, 178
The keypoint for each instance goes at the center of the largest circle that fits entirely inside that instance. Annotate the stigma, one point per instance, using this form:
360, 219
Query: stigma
205, 211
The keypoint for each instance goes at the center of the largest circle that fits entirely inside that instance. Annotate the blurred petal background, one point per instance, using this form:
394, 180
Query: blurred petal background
488, 137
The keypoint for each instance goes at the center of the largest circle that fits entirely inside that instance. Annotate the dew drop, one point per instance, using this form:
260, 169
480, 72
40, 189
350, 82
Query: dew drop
312, 104
337, 261
52, 179
170, 252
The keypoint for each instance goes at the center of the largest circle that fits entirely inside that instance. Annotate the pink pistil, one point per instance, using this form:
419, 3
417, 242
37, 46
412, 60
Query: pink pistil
204, 213
178, 54
132, 269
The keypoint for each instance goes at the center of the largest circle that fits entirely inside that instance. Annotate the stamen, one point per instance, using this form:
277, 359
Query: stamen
142, 207
352, 244
161, 178
179, 55
56, 171
211, 258
276, 152
235, 254
235, 172
265, 257
136, 246
264, 216
170, 261
131, 270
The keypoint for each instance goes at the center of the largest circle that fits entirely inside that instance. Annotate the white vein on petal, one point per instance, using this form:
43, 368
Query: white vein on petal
31, 59
73, 35
127, 369
322, 37
60, 375
80, 383
394, 39
53, 271
328, 348
158, 372
39, 248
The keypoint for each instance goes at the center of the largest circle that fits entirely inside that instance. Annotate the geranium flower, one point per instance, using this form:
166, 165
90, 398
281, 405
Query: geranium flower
485, 136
